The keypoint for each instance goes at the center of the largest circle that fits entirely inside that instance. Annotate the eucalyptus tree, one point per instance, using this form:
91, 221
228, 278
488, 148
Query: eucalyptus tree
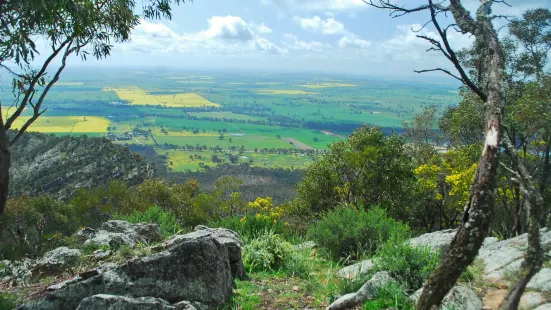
86, 28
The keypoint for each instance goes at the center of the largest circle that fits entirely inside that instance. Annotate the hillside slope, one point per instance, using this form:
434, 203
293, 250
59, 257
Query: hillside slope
61, 165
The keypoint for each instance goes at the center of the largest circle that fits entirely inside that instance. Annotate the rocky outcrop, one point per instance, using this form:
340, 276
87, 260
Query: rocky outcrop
193, 267
16, 273
56, 261
459, 298
366, 292
118, 233
113, 302
499, 257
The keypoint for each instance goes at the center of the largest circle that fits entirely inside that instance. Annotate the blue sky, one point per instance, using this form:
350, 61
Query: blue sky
290, 35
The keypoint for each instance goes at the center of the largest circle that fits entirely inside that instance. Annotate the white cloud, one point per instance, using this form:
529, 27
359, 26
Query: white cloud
229, 28
317, 24
263, 29
353, 41
227, 35
317, 5
293, 43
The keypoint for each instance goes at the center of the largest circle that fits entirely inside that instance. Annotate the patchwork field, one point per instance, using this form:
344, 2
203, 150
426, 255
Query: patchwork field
326, 85
65, 124
285, 92
267, 119
138, 96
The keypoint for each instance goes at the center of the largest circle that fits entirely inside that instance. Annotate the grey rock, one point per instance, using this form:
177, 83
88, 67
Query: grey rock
544, 307
112, 302
541, 281
508, 255
184, 305
439, 240
355, 270
196, 267
530, 300
16, 273
366, 292
233, 243
459, 298
117, 233
100, 254
56, 261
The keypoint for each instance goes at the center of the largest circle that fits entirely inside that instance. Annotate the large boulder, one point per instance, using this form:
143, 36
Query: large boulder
233, 243
507, 256
56, 261
196, 267
541, 281
113, 302
117, 233
353, 271
366, 292
439, 240
459, 298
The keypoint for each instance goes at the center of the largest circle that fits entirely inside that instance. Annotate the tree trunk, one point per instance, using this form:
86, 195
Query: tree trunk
478, 211
5, 161
533, 203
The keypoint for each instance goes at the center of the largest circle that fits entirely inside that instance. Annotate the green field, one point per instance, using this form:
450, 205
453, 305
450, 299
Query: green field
277, 115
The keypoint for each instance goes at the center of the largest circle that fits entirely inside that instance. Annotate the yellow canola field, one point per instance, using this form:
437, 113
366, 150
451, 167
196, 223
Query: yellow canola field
284, 92
138, 96
52, 124
326, 85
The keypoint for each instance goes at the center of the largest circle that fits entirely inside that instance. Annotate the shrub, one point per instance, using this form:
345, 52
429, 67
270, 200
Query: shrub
165, 219
390, 296
350, 232
298, 264
7, 301
267, 251
407, 265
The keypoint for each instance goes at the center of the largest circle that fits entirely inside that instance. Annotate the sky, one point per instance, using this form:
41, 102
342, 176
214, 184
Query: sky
341, 36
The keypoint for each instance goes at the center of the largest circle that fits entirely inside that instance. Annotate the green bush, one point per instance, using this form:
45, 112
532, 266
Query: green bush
407, 265
390, 296
350, 232
267, 251
165, 219
298, 264
7, 301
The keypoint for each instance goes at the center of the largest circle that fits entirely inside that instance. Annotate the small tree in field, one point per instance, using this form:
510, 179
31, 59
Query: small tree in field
69, 27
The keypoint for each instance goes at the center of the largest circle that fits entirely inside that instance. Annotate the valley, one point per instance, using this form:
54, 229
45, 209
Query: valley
198, 120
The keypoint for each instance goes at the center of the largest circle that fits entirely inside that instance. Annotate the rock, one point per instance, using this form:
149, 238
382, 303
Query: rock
56, 261
541, 281
459, 298
185, 305
232, 241
195, 267
439, 240
112, 302
366, 292
117, 233
530, 300
101, 254
507, 255
296, 288
16, 273
305, 246
544, 307
358, 269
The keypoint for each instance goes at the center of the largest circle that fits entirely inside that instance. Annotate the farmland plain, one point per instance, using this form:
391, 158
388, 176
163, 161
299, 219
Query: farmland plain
199, 119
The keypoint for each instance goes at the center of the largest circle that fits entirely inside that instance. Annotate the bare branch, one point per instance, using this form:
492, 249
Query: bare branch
37, 106
32, 85
397, 11
452, 56
440, 69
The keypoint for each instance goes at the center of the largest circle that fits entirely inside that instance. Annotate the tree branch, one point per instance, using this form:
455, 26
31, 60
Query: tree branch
397, 11
37, 106
440, 69
32, 85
